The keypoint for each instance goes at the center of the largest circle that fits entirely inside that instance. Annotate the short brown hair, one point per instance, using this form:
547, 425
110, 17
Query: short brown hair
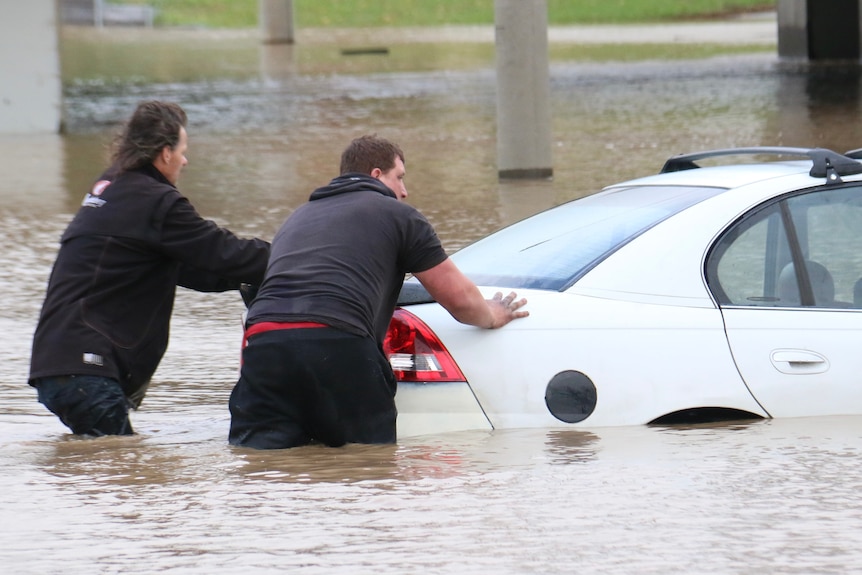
152, 126
368, 152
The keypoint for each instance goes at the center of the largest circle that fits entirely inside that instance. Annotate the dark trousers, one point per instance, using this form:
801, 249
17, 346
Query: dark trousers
316, 384
86, 404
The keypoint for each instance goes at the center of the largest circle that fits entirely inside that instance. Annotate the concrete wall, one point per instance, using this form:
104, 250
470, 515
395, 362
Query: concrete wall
30, 89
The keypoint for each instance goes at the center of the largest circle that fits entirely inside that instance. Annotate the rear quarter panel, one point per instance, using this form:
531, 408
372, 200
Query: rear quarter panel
645, 360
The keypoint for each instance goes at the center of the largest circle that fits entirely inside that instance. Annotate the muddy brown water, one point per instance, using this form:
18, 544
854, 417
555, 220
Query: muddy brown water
266, 126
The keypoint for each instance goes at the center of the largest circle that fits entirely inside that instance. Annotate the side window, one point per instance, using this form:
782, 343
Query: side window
756, 262
830, 231
743, 268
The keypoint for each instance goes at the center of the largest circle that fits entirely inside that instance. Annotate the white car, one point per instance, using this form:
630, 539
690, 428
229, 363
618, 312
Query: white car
698, 294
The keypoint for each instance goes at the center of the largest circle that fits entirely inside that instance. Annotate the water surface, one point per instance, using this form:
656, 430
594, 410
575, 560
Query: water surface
267, 124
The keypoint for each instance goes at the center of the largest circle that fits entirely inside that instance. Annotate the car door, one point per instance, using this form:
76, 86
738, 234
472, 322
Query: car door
788, 279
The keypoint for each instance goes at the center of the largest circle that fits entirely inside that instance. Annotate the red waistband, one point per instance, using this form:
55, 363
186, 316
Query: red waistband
273, 325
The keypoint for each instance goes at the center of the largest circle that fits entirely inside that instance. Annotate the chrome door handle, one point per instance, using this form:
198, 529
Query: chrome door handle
795, 361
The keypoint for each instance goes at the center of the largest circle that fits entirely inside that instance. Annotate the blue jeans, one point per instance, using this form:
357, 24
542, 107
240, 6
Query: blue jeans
86, 404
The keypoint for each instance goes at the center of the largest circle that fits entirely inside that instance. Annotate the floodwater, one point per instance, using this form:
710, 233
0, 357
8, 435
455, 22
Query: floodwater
267, 126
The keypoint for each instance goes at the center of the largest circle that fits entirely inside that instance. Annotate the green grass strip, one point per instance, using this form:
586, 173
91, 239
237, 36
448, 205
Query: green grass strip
376, 13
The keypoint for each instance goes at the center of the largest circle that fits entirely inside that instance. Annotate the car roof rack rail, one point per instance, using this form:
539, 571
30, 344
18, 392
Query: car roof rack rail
826, 163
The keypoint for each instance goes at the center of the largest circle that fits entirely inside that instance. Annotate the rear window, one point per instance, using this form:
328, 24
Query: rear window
553, 249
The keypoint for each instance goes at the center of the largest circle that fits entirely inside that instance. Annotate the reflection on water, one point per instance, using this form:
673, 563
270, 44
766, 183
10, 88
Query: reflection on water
267, 124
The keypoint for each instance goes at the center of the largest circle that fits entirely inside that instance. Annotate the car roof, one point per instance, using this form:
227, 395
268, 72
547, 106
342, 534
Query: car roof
726, 176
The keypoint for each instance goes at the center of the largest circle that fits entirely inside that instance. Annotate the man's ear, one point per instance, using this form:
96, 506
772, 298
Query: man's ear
376, 173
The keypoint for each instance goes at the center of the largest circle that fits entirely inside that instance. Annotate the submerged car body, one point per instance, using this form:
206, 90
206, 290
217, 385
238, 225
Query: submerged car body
700, 293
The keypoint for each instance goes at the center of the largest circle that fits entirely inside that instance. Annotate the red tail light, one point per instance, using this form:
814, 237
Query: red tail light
415, 353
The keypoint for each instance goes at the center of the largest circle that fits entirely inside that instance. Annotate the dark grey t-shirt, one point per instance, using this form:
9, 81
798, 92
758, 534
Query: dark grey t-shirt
341, 260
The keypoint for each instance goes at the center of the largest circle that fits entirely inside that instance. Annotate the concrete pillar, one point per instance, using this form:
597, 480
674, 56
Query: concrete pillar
276, 21
30, 90
792, 28
523, 89
825, 30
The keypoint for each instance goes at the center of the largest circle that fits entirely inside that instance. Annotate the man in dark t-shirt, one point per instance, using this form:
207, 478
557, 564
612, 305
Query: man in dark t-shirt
313, 367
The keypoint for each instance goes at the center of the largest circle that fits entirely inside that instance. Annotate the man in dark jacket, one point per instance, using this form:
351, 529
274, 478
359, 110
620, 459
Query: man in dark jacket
104, 324
313, 367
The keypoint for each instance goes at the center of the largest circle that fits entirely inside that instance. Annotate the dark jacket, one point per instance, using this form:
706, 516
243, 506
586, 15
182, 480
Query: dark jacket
111, 293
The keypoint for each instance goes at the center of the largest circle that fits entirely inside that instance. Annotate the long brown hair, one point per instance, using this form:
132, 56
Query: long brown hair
153, 126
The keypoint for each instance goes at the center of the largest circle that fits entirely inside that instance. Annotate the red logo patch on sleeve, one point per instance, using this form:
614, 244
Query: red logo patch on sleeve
100, 186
